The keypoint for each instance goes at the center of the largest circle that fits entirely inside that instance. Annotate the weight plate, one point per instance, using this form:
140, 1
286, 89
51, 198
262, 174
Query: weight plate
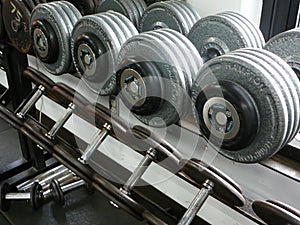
75, 11
31, 4
273, 68
284, 45
260, 89
126, 26
241, 27
85, 7
285, 207
255, 31
186, 13
36, 196
57, 192
115, 29
46, 13
191, 9
124, 7
151, 49
16, 20
215, 35
141, 7
68, 12
94, 40
135, 11
163, 15
189, 57
290, 81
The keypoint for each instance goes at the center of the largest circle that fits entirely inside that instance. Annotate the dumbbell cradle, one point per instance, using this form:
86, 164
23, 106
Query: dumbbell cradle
211, 181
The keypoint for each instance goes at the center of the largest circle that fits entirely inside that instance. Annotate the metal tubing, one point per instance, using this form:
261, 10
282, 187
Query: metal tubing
17, 196
197, 203
139, 171
95, 143
61, 121
30, 103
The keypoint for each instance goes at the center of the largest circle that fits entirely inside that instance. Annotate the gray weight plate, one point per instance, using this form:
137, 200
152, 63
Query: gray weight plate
115, 30
254, 29
48, 13
292, 82
284, 45
160, 15
170, 44
196, 17
124, 7
150, 2
187, 51
214, 36
273, 68
269, 101
243, 29
123, 32
71, 11
139, 9
149, 50
178, 5
61, 10
129, 25
96, 26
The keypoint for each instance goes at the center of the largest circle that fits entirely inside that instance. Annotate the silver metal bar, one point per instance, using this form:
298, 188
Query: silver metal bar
30, 103
72, 186
95, 143
17, 196
197, 203
139, 171
41, 177
61, 121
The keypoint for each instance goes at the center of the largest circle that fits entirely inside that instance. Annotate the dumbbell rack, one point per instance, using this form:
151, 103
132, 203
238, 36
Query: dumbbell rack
33, 156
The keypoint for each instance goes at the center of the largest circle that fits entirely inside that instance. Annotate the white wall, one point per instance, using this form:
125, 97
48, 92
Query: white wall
249, 8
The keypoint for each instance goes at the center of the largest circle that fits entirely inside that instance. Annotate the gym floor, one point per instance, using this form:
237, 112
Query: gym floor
80, 207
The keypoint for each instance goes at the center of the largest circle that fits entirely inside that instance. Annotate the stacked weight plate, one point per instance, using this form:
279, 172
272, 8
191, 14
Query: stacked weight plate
96, 41
222, 33
51, 28
155, 73
246, 104
176, 15
286, 45
16, 19
132, 9
86, 7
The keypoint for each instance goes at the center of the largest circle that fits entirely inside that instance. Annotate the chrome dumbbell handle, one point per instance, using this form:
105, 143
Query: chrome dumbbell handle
30, 103
97, 140
139, 171
61, 121
197, 203
45, 178
18, 196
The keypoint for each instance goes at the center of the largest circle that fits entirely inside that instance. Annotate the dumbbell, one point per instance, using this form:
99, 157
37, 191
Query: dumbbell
276, 213
212, 182
238, 86
285, 46
176, 15
51, 28
37, 196
96, 41
151, 66
222, 33
16, 19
